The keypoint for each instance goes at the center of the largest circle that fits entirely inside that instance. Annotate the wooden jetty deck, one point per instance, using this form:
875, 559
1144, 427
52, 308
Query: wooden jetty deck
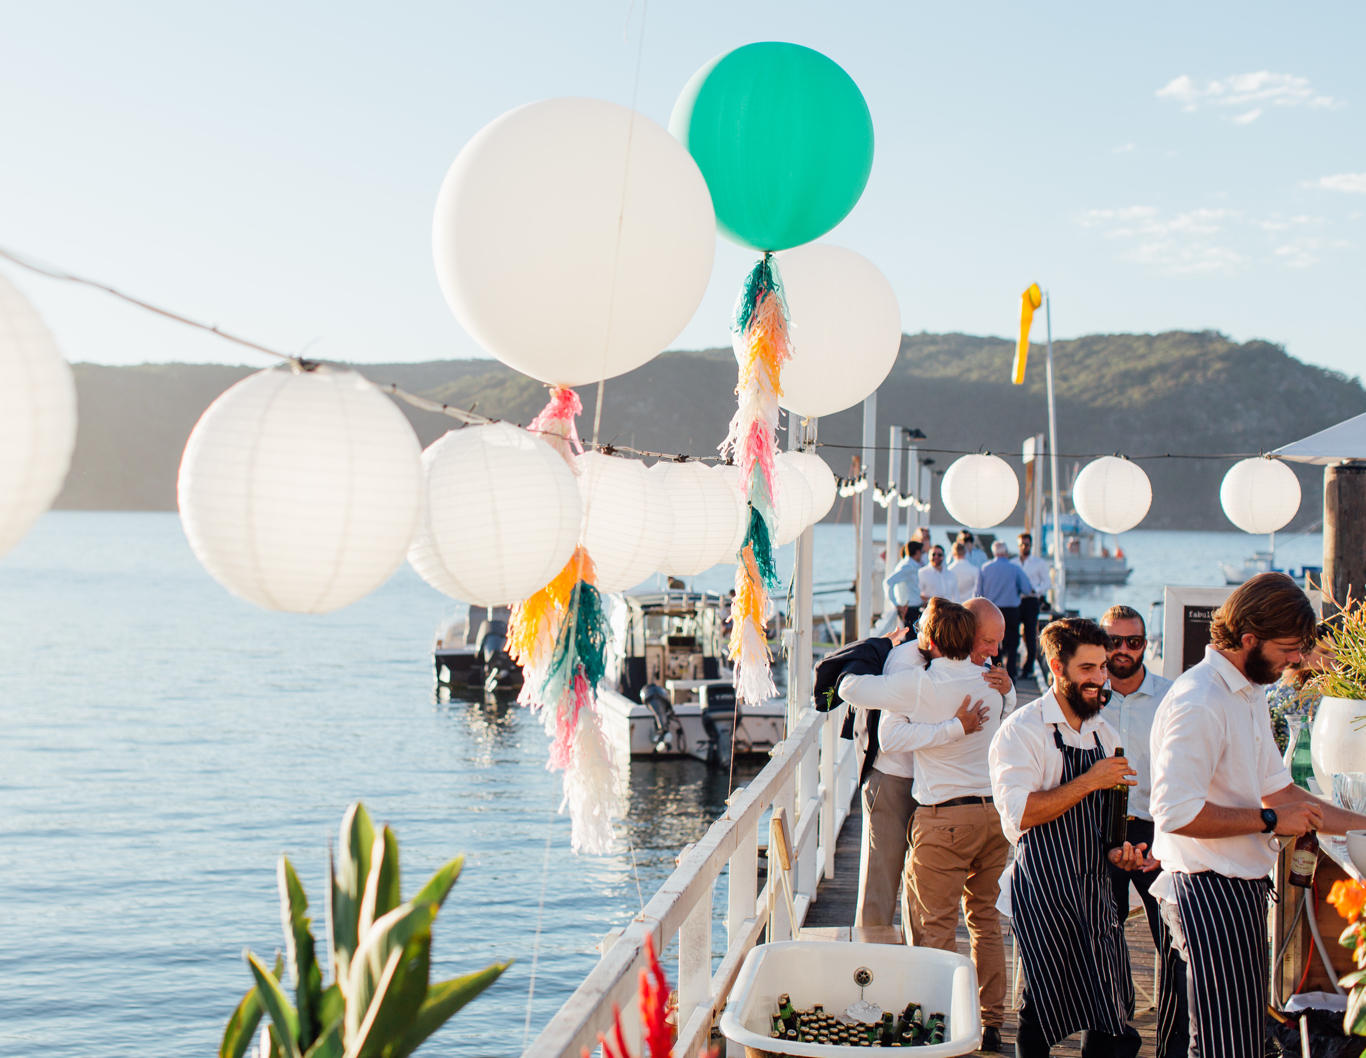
832, 914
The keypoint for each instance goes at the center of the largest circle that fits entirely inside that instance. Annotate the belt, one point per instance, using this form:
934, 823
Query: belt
958, 802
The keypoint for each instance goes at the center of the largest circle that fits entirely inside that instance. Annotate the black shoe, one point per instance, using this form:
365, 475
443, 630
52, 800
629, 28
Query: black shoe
991, 1039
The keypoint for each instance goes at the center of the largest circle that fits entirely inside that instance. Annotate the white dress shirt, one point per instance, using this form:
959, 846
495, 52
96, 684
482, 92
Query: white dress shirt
1132, 716
1039, 572
937, 583
1212, 741
903, 583
966, 574
947, 768
1024, 758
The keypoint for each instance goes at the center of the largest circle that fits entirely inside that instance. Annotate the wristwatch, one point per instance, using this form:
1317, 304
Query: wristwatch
1269, 820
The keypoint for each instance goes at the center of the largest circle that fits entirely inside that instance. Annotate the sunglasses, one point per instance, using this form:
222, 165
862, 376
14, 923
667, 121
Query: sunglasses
1133, 642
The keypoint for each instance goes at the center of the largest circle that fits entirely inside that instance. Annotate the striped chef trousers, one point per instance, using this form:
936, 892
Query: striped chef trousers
1224, 920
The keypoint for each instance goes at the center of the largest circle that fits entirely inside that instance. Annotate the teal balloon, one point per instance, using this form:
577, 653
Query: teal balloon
784, 138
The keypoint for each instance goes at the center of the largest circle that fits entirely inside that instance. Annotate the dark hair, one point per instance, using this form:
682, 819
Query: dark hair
951, 627
965, 536
911, 548
1123, 613
1060, 639
1026, 536
1268, 606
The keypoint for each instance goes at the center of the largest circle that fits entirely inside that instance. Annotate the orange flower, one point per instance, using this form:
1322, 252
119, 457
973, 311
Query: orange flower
1349, 897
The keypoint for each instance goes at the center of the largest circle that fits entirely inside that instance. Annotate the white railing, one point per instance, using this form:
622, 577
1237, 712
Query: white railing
812, 776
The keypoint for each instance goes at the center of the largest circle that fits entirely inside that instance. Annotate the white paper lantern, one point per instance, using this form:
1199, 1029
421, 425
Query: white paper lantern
794, 499
1112, 495
37, 417
501, 518
980, 491
709, 513
730, 474
560, 258
1260, 495
824, 487
845, 328
627, 519
301, 490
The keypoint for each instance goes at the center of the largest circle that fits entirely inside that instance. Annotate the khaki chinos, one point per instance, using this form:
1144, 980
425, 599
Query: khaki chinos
957, 856
888, 809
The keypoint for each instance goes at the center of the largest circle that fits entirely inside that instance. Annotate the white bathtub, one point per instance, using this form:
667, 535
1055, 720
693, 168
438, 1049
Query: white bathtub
823, 972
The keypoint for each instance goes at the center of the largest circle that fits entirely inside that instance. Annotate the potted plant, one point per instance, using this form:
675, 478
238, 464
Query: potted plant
381, 1003
1338, 742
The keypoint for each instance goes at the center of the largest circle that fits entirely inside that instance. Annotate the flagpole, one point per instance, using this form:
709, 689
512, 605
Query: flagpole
1059, 570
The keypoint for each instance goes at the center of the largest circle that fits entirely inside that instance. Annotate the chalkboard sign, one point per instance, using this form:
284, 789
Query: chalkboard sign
1195, 621
1186, 616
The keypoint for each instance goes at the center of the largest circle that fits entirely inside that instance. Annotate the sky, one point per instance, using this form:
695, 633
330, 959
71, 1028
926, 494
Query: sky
272, 167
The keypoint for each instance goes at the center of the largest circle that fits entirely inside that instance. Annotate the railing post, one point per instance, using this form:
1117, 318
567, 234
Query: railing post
808, 793
830, 782
742, 884
694, 959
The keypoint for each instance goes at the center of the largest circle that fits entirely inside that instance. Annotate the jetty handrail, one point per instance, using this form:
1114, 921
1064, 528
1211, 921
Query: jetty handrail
812, 775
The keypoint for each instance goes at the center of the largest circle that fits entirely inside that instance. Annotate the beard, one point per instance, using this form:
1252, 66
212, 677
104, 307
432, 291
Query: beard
1083, 706
1122, 666
1260, 669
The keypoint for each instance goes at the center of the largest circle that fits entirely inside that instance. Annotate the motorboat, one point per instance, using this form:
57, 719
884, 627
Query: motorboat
668, 691
1265, 562
1086, 559
470, 650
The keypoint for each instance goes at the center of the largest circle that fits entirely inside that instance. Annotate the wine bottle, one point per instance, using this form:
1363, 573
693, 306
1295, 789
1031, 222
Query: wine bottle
1114, 805
1303, 859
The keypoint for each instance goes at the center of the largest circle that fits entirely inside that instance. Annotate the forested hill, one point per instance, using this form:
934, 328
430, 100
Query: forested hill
1179, 392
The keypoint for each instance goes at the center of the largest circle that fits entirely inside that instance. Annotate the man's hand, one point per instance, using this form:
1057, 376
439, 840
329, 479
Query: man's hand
1133, 857
1110, 771
997, 680
971, 716
898, 635
1299, 817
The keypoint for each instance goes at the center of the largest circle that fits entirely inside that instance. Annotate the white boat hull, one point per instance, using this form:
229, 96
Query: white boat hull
631, 727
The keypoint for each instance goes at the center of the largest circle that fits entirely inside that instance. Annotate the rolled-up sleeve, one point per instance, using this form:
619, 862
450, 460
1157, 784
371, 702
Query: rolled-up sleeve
1016, 772
1183, 748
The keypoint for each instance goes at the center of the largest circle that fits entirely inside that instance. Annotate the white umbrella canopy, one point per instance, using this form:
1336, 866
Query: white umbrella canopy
1346, 440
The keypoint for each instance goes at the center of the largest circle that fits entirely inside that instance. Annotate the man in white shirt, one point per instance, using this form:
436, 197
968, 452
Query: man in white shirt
1040, 575
958, 851
964, 573
1135, 694
936, 582
903, 586
1049, 763
1220, 791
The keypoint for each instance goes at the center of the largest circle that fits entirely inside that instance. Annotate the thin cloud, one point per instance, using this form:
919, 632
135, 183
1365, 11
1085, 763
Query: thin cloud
1124, 149
1210, 240
1255, 90
1354, 183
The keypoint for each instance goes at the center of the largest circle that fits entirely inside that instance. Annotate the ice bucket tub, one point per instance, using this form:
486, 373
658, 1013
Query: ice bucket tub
823, 972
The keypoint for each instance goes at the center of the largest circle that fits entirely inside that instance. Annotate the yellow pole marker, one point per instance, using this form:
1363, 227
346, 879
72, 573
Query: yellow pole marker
1030, 300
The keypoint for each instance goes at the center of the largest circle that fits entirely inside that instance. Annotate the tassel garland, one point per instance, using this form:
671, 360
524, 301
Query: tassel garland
761, 322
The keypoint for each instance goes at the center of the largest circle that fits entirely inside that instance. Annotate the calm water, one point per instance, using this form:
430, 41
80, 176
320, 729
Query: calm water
163, 742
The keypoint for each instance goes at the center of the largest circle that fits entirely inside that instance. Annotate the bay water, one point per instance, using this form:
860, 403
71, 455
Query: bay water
162, 743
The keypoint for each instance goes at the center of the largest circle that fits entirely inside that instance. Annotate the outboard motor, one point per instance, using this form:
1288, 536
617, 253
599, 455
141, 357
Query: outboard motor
656, 699
492, 661
718, 721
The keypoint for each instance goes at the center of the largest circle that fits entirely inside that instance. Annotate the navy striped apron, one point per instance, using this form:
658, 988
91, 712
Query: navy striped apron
1076, 963
1224, 920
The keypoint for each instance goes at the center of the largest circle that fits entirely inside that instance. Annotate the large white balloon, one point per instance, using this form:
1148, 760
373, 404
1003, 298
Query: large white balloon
795, 500
845, 329
708, 515
301, 490
1112, 495
1260, 495
980, 490
502, 515
562, 257
37, 417
627, 519
824, 487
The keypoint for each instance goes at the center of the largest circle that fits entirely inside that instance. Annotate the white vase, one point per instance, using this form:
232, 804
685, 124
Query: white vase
1337, 742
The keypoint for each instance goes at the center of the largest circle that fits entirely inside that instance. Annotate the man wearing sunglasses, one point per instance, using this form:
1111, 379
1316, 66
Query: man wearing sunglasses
1135, 695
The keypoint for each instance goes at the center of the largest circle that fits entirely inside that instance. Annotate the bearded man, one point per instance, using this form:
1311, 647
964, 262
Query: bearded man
1049, 763
1220, 792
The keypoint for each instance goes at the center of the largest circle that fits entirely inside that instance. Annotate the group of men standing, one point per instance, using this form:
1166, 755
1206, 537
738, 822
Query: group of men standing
962, 776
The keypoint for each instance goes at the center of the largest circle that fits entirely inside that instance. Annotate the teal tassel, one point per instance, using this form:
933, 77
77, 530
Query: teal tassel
581, 643
758, 539
762, 280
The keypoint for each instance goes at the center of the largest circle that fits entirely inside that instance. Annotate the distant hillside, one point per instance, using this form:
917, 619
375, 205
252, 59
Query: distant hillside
1179, 392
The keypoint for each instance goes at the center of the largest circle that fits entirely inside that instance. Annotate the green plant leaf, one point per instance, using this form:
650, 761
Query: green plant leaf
442, 1001
348, 886
241, 1028
329, 1044
303, 962
407, 989
440, 883
277, 1004
1353, 978
277, 1048
1354, 1021
382, 884
390, 935
362, 1041
332, 1006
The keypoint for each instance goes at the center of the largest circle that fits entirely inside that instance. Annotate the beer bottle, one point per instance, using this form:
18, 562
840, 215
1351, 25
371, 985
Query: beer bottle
786, 1012
887, 1032
1114, 805
1303, 859
776, 1029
